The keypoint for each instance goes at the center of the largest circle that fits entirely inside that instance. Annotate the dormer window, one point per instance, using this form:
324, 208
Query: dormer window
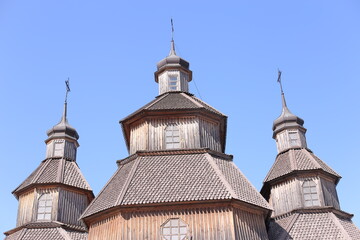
311, 197
172, 137
294, 138
44, 207
173, 83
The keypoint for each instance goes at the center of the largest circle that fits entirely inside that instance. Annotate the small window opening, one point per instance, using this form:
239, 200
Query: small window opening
58, 147
294, 138
173, 83
311, 196
172, 137
44, 207
174, 229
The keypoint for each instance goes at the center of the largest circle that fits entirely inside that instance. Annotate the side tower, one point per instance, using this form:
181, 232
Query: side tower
301, 188
177, 183
53, 197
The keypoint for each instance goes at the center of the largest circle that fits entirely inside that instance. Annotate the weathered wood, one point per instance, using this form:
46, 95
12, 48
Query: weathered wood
26, 208
203, 223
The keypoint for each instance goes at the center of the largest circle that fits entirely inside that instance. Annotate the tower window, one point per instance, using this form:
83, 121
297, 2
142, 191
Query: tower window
172, 137
44, 207
173, 83
174, 229
311, 197
294, 138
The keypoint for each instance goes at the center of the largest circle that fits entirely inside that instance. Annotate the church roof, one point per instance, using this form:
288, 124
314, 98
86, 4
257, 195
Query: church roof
173, 177
175, 101
46, 230
314, 224
299, 159
54, 171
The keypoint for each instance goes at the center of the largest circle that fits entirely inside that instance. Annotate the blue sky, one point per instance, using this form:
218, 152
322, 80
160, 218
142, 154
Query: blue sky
109, 49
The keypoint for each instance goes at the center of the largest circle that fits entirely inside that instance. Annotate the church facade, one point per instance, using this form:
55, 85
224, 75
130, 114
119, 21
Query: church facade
178, 183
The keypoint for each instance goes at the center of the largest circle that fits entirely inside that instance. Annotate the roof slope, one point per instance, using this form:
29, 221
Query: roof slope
175, 176
297, 160
47, 230
175, 101
56, 170
321, 224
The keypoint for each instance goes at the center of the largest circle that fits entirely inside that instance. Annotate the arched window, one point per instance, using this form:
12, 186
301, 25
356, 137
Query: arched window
44, 207
172, 137
174, 229
311, 196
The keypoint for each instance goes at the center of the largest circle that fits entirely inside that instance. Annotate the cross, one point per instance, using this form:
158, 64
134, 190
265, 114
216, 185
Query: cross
67, 83
279, 81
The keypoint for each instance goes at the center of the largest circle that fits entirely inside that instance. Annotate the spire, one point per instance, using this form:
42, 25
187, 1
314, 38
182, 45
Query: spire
173, 73
286, 119
63, 129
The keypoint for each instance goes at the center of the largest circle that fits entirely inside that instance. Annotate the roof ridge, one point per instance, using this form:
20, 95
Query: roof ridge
60, 171
312, 159
39, 173
127, 182
159, 98
292, 160
221, 176
192, 99
63, 233
77, 169
93, 201
339, 225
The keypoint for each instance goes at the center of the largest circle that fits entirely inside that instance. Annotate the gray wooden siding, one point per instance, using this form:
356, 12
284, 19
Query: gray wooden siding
71, 206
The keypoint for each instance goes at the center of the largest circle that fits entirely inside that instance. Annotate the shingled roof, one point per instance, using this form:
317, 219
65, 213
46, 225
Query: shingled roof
46, 230
173, 177
314, 224
175, 101
53, 171
297, 160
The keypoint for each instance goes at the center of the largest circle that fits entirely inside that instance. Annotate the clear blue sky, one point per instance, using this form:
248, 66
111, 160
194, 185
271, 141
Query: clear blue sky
109, 49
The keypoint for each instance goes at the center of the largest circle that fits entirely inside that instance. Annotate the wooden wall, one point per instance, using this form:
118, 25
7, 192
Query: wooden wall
285, 197
249, 225
203, 224
283, 140
195, 132
70, 206
330, 193
26, 208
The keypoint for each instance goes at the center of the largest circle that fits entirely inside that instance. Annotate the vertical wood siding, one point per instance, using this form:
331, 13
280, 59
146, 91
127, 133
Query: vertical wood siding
194, 133
249, 225
203, 224
26, 208
71, 205
285, 197
330, 194
283, 140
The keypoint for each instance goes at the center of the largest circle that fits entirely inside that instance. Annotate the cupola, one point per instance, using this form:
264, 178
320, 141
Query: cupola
288, 130
62, 139
173, 73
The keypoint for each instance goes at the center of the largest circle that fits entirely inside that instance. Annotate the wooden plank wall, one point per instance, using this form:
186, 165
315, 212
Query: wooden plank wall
285, 197
71, 206
203, 224
26, 208
249, 225
330, 193
194, 133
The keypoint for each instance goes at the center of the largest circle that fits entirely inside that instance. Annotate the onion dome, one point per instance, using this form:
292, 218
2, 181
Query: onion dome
63, 129
173, 62
287, 119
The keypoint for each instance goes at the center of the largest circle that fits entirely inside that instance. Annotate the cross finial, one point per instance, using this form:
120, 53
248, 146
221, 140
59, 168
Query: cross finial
172, 30
67, 83
279, 81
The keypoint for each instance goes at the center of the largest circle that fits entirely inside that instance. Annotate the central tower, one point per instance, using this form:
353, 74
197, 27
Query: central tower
177, 183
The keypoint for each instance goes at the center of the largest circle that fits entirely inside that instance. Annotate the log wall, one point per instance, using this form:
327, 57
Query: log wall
203, 224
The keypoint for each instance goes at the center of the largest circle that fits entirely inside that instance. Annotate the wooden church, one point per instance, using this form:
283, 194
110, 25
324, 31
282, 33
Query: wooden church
178, 183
